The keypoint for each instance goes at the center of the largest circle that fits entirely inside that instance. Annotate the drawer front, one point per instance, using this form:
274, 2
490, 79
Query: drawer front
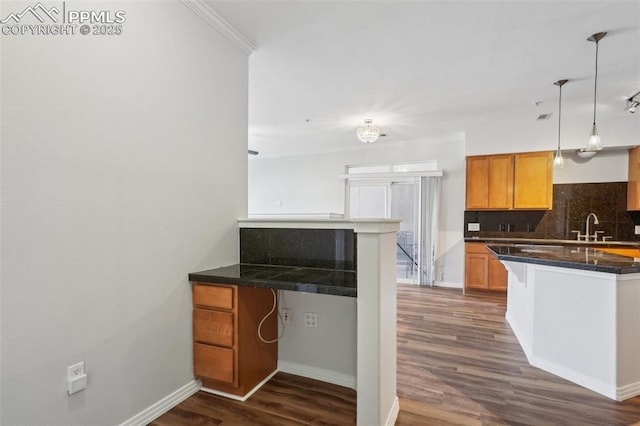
213, 327
213, 362
213, 296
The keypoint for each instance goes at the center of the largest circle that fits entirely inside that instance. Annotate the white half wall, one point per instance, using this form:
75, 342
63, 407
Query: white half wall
124, 168
310, 184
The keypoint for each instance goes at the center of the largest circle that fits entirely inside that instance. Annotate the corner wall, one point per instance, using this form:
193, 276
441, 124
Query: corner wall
124, 168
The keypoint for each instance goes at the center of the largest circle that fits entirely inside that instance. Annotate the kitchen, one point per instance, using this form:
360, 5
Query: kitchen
120, 234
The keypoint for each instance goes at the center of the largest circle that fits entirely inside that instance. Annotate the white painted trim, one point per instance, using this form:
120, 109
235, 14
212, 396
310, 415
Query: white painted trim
393, 414
390, 175
154, 411
627, 391
449, 284
573, 376
315, 373
238, 397
521, 340
374, 225
211, 17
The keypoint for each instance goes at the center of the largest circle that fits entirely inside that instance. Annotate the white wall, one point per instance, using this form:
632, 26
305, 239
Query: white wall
606, 166
123, 169
327, 352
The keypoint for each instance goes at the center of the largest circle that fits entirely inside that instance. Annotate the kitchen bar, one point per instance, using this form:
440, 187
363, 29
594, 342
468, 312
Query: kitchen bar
574, 311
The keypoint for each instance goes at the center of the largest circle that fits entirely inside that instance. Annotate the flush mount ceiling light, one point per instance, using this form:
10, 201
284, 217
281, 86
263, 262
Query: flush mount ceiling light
595, 143
558, 161
633, 102
368, 133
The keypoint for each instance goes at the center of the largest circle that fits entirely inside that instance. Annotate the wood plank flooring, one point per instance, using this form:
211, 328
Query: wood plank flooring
458, 364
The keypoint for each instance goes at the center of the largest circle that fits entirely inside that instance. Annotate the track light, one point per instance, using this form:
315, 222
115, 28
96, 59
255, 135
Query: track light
633, 102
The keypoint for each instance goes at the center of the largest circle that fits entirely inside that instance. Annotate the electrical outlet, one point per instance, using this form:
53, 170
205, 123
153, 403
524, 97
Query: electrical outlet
286, 315
311, 319
637, 229
75, 370
76, 378
473, 227
510, 227
530, 228
502, 227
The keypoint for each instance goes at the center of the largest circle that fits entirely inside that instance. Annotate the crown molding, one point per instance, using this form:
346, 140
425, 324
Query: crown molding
204, 11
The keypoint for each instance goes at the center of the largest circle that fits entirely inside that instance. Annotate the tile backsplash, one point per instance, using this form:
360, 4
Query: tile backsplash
571, 205
312, 248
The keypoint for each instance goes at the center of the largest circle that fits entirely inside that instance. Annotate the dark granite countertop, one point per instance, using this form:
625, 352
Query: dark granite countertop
293, 278
607, 243
573, 257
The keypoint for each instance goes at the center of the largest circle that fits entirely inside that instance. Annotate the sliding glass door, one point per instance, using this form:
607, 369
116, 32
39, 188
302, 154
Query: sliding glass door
405, 205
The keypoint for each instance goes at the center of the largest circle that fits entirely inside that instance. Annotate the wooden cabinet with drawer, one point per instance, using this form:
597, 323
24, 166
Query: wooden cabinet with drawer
228, 355
483, 270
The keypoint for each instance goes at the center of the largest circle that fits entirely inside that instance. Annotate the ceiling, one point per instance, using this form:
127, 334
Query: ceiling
430, 70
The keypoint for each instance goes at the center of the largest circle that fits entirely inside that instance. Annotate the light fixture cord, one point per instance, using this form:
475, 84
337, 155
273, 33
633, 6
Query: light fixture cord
595, 86
559, 114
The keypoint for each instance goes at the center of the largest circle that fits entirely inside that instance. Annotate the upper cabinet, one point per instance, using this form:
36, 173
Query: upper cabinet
633, 198
510, 181
533, 188
490, 182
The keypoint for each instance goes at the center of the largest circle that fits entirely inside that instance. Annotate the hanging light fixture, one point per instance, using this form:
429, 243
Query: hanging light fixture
368, 133
595, 143
558, 161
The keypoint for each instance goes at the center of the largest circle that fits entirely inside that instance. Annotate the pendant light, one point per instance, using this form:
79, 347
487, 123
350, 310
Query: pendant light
594, 143
558, 161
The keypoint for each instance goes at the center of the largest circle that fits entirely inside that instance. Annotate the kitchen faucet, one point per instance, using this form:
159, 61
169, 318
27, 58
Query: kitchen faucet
586, 227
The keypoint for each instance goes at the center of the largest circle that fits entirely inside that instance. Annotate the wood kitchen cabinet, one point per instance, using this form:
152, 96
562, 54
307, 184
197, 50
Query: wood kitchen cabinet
633, 189
490, 182
510, 181
483, 270
533, 181
228, 355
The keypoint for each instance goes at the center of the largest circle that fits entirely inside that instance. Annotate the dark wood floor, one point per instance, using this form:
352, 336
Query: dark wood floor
458, 363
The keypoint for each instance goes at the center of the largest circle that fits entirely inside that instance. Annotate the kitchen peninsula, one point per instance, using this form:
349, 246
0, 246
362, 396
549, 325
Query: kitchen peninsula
575, 312
369, 277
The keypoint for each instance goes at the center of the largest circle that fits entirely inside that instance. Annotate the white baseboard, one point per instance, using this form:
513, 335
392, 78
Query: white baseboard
238, 397
393, 414
628, 391
448, 284
318, 374
606, 389
444, 284
523, 343
154, 411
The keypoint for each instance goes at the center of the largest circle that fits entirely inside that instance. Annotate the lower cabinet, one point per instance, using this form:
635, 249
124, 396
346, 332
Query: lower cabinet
228, 355
483, 270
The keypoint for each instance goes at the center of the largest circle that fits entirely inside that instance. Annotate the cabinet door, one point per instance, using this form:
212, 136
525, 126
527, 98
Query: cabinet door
633, 198
477, 270
500, 182
477, 183
497, 274
533, 185
215, 363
